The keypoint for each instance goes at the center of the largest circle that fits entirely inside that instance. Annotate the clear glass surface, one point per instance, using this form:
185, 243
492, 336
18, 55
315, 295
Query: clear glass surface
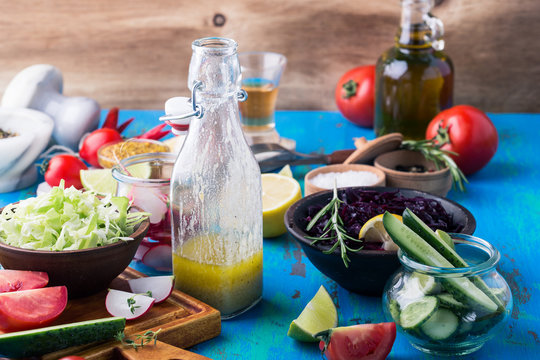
415, 282
261, 73
216, 196
145, 180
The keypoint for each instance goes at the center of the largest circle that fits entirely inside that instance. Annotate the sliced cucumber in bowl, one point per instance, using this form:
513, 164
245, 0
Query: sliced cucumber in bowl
441, 325
418, 312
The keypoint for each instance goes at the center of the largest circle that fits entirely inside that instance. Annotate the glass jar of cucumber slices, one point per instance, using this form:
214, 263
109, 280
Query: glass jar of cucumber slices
450, 311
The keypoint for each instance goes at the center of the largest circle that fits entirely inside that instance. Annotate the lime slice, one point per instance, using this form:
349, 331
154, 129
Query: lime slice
286, 171
141, 170
425, 283
99, 181
318, 315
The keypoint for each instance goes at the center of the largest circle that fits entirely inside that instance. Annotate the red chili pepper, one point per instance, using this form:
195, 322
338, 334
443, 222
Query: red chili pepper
111, 121
124, 125
155, 133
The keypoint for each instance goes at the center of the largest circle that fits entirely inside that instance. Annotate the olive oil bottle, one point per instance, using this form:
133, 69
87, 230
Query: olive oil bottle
414, 78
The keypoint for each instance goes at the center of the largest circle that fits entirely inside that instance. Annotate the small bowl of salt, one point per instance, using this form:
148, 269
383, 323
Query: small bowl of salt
342, 175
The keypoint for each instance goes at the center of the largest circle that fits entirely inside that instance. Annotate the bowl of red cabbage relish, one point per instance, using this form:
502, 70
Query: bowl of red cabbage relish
367, 269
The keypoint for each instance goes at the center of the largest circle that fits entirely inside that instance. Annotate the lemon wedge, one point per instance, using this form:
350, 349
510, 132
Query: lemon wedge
374, 231
279, 193
318, 315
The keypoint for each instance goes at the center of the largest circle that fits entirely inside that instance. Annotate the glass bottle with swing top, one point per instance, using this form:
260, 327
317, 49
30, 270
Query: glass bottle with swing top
216, 196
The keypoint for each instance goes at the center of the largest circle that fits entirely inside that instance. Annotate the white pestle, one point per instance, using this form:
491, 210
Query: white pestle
40, 87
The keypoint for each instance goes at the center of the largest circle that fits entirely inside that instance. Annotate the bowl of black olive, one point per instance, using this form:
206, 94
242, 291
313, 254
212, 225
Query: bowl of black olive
410, 169
327, 225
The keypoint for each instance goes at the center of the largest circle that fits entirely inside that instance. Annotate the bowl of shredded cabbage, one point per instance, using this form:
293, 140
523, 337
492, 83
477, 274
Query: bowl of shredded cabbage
80, 240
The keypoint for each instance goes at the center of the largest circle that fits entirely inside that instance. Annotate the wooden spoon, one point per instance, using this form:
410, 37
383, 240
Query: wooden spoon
368, 150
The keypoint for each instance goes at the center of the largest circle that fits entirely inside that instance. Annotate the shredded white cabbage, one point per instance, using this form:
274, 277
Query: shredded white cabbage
68, 219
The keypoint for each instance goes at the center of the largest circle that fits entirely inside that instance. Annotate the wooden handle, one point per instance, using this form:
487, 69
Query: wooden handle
160, 350
337, 157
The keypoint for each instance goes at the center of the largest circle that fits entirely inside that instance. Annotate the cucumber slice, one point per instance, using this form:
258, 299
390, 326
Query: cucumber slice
419, 227
393, 307
418, 312
41, 341
448, 301
416, 247
445, 237
441, 325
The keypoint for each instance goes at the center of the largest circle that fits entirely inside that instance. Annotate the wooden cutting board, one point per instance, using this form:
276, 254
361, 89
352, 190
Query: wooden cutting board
183, 320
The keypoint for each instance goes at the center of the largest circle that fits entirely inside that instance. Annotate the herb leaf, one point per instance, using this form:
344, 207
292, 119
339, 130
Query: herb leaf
334, 230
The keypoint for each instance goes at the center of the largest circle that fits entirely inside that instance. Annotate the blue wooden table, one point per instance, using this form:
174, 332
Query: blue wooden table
504, 198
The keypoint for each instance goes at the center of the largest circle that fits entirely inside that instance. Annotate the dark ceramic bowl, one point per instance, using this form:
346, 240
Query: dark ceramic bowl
369, 269
83, 272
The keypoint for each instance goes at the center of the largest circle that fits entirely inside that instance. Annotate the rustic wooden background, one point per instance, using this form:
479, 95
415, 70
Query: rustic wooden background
135, 54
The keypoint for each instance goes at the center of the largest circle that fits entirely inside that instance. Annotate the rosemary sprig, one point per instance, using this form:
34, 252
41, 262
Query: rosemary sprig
140, 339
333, 230
432, 150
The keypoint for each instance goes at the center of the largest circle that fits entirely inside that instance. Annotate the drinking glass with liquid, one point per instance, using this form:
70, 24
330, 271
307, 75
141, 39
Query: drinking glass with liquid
261, 73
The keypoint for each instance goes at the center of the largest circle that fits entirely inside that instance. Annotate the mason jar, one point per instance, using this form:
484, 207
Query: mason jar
437, 317
145, 180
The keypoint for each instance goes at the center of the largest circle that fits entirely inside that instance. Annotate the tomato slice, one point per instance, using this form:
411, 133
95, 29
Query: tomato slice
30, 309
364, 341
15, 280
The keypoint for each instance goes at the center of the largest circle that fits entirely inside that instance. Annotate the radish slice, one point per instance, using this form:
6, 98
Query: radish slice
159, 257
161, 287
141, 250
128, 305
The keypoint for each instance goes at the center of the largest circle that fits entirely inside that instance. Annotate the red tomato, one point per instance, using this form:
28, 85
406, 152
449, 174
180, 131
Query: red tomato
30, 309
364, 341
468, 132
355, 95
15, 280
93, 141
67, 167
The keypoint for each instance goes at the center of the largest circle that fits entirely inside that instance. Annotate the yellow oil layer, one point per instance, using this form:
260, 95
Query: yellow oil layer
226, 287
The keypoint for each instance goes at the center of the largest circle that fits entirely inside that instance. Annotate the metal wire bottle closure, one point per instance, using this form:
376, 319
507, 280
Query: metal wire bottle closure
198, 110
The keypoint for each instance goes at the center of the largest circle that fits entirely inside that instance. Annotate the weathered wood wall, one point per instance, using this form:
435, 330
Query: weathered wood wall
135, 54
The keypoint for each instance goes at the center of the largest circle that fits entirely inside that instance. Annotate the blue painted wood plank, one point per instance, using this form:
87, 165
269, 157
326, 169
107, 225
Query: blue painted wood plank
504, 198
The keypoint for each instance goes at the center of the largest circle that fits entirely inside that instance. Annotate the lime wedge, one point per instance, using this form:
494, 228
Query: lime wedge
318, 315
99, 181
141, 170
286, 171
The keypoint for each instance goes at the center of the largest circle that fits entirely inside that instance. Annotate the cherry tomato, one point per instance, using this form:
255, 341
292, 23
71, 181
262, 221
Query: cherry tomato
355, 95
30, 309
468, 132
356, 342
16, 280
93, 141
65, 167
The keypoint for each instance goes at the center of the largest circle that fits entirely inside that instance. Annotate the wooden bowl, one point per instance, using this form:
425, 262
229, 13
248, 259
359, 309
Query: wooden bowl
310, 188
433, 181
83, 272
368, 270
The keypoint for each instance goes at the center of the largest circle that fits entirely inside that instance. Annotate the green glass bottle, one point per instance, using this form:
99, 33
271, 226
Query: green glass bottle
414, 79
